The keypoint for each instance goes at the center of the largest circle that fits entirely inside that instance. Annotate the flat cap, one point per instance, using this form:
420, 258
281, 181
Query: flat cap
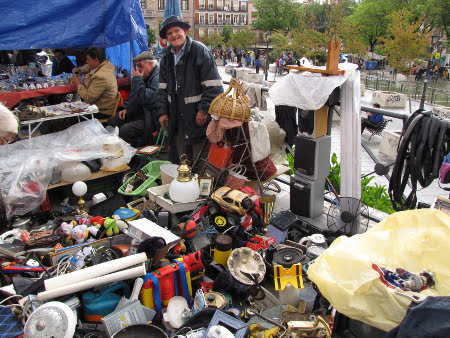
144, 56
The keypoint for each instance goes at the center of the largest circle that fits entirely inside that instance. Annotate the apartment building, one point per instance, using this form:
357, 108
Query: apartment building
212, 15
204, 16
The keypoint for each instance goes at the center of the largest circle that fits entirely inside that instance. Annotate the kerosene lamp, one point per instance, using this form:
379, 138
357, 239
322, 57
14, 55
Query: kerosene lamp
184, 188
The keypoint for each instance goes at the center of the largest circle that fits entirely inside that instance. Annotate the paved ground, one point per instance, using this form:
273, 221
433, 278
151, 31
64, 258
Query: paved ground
425, 195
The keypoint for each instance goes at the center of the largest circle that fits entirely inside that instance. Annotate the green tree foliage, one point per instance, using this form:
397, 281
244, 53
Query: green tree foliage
226, 33
335, 15
274, 15
352, 43
404, 45
214, 40
151, 36
315, 17
431, 14
371, 18
243, 38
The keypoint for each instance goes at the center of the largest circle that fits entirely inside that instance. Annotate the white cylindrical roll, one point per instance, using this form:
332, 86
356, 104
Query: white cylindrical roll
95, 271
87, 284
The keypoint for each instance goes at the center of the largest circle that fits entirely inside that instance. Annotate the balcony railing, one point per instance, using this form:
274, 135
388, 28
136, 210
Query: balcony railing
201, 7
211, 7
220, 8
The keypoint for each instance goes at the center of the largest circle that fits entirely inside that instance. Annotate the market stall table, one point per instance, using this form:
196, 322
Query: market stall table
90, 111
10, 99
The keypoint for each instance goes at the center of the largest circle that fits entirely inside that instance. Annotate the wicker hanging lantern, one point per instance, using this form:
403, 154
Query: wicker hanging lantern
233, 107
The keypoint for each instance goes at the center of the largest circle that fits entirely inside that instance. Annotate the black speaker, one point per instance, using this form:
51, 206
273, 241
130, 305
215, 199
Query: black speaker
312, 157
287, 257
307, 197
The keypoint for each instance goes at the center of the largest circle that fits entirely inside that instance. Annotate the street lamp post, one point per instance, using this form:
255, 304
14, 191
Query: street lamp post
266, 70
434, 40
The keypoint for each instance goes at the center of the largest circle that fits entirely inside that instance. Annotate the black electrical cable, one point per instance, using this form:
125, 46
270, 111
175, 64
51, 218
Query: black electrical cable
420, 153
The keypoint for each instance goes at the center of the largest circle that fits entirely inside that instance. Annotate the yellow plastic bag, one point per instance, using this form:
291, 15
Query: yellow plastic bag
413, 240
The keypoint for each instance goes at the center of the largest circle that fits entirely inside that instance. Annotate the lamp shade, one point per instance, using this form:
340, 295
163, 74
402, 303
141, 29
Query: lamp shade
184, 191
79, 188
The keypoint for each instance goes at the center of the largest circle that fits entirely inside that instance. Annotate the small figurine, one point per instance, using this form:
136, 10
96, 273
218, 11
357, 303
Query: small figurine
110, 225
120, 224
80, 233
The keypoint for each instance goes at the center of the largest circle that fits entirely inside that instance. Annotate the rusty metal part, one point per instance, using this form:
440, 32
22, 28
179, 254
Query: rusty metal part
251, 313
306, 325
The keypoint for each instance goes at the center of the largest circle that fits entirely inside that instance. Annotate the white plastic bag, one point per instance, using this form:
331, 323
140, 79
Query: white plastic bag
259, 140
348, 272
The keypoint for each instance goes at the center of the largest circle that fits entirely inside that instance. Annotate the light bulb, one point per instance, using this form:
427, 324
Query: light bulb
79, 188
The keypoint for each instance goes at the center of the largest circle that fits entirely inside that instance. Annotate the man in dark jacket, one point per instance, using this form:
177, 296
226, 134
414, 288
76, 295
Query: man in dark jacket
137, 117
188, 82
61, 63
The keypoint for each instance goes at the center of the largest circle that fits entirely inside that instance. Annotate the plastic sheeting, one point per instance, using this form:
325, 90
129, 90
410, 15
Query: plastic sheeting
26, 167
348, 273
33, 24
306, 90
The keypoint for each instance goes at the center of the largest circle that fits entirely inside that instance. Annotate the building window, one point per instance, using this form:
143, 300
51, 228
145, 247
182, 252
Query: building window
227, 5
219, 5
243, 17
201, 32
211, 19
236, 6
211, 4
235, 19
210, 32
161, 4
228, 19
143, 4
202, 19
201, 4
184, 5
219, 19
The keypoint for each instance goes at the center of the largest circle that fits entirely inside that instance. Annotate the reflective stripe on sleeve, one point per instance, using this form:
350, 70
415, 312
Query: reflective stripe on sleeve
162, 85
212, 83
192, 99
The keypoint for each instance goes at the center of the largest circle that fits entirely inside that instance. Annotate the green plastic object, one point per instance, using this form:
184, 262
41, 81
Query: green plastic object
152, 171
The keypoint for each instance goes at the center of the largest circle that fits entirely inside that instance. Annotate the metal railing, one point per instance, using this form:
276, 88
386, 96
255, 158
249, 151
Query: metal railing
432, 95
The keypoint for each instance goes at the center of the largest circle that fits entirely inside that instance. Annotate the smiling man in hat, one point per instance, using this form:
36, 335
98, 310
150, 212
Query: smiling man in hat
188, 82
137, 118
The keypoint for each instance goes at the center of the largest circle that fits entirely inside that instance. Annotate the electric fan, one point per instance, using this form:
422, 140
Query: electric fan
345, 216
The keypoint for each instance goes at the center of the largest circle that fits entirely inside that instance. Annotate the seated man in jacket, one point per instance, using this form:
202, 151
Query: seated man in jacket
100, 86
373, 120
137, 118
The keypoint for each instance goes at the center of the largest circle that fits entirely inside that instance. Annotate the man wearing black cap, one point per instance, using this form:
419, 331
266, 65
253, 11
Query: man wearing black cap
137, 117
188, 82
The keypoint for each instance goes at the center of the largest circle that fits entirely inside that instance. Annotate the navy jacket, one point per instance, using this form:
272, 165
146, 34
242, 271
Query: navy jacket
144, 96
198, 83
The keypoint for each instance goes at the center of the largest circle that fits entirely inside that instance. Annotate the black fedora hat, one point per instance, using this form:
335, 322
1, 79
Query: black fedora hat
173, 20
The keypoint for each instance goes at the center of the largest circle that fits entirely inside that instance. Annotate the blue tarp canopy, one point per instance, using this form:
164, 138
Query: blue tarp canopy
35, 24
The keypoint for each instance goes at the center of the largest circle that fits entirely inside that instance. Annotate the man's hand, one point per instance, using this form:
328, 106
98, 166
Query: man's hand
122, 114
201, 118
138, 71
76, 80
164, 121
